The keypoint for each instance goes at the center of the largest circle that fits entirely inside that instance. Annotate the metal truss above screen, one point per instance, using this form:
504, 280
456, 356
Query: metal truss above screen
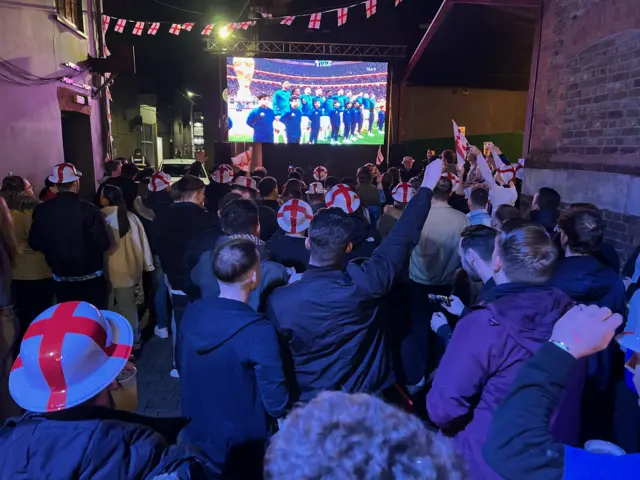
252, 48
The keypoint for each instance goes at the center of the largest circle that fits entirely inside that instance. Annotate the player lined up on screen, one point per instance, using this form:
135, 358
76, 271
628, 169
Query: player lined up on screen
313, 119
342, 114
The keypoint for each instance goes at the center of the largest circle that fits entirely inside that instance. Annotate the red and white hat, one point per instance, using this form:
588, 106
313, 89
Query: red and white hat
508, 172
295, 216
341, 196
316, 188
320, 173
159, 181
455, 180
69, 354
246, 182
227, 166
403, 192
221, 175
64, 173
520, 169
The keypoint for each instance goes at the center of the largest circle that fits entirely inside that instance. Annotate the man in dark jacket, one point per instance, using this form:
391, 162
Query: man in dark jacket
519, 444
238, 219
268, 188
174, 228
73, 238
329, 318
126, 182
545, 208
268, 217
586, 280
232, 378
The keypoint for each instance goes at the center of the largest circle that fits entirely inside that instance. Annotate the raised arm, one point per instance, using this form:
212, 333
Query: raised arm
377, 274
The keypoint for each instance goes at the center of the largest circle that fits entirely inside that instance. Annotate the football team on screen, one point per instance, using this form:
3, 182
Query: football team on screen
300, 117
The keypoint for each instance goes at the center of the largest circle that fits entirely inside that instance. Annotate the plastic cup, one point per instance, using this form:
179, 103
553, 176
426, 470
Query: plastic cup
604, 448
126, 396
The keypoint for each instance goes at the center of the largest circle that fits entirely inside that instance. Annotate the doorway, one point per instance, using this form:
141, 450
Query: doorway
78, 149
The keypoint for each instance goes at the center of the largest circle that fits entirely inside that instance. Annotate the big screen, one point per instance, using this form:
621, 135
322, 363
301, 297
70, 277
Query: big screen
306, 101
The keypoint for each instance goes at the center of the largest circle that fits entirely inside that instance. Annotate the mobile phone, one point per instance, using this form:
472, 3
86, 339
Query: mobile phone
441, 299
487, 148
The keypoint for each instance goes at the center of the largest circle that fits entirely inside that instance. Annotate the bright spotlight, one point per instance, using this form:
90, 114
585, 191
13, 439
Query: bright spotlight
224, 32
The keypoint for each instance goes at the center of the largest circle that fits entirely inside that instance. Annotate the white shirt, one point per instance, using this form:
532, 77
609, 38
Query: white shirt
502, 195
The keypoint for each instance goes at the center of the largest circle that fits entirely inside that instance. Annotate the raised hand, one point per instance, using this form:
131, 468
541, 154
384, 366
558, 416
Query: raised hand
432, 174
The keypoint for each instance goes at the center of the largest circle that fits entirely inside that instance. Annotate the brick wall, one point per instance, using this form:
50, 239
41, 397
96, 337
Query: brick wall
587, 100
586, 114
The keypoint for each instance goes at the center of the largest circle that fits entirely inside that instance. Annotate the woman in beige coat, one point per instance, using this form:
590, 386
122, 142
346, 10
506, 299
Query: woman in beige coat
128, 256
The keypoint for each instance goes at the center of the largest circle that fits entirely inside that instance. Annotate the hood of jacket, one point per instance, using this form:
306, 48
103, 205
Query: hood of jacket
527, 312
584, 279
215, 321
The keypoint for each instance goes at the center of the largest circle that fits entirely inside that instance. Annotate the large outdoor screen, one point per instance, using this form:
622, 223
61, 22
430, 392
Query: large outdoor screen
306, 101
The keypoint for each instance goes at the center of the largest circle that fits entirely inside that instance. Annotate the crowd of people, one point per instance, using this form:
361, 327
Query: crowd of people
426, 322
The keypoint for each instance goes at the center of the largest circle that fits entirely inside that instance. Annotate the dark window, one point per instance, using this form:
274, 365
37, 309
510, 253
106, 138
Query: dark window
71, 10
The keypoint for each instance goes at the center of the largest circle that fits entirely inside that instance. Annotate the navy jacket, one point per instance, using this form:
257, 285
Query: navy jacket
315, 115
261, 120
174, 228
71, 234
519, 445
232, 381
330, 318
292, 120
84, 443
289, 251
335, 116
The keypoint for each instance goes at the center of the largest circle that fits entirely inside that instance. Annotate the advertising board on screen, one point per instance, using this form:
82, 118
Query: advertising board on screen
306, 101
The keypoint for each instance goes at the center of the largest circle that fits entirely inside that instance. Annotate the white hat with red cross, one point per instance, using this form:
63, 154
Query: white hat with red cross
316, 188
221, 175
403, 192
295, 216
69, 354
159, 181
341, 196
455, 181
320, 173
64, 173
246, 182
508, 172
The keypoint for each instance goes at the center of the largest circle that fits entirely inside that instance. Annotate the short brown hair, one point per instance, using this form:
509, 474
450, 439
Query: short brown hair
527, 253
443, 188
584, 230
234, 259
503, 214
185, 187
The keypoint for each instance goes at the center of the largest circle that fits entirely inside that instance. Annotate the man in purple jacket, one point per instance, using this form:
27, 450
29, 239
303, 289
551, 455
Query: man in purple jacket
491, 343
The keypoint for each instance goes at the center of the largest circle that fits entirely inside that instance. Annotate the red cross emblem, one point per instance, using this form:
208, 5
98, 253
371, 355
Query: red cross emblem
106, 20
314, 21
175, 29
293, 209
345, 191
371, 6
208, 29
53, 331
287, 21
120, 24
137, 29
342, 16
154, 28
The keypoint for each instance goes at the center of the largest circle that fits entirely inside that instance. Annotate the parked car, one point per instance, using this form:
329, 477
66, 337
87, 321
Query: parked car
177, 168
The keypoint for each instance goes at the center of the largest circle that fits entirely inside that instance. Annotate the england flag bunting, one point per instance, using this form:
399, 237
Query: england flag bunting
120, 24
287, 21
138, 28
461, 143
106, 20
314, 21
153, 29
398, 2
208, 29
371, 6
379, 157
342, 16
175, 29
187, 26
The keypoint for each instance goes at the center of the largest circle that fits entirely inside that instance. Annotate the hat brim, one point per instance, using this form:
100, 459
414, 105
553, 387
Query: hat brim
303, 227
31, 399
150, 187
54, 179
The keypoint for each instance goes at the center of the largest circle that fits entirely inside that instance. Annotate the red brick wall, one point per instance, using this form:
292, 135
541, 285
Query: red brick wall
587, 100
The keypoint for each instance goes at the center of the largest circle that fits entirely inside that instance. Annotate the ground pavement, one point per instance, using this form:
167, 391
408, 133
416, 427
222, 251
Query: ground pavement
158, 393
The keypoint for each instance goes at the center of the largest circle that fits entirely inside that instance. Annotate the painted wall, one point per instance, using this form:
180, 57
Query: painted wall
30, 122
428, 111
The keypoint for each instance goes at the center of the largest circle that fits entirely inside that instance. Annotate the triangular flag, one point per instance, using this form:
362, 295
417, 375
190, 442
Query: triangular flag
461, 143
243, 160
379, 157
